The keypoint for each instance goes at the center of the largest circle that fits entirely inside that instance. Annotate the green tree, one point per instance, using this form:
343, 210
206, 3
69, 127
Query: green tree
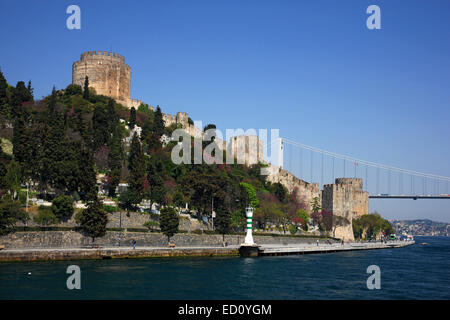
268, 211
10, 212
62, 207
159, 124
315, 204
45, 218
304, 216
369, 226
86, 88
222, 222
21, 94
178, 199
100, 126
251, 194
73, 90
20, 120
156, 182
238, 220
136, 166
3, 173
53, 138
132, 121
147, 129
151, 225
93, 220
280, 191
168, 222
30, 90
4, 103
87, 180
13, 177
129, 199
292, 229
115, 159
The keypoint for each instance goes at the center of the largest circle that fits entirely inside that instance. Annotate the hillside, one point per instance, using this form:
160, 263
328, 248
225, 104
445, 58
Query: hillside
422, 227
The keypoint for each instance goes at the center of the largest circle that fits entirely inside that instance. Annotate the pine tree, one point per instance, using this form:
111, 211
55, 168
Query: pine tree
87, 179
113, 118
21, 94
101, 127
88, 136
116, 154
159, 124
156, 183
222, 222
4, 105
30, 90
168, 222
10, 212
132, 122
53, 144
115, 158
86, 88
93, 219
136, 165
20, 116
3, 172
147, 129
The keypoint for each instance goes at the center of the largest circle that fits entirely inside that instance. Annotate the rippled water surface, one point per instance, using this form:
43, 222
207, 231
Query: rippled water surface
414, 272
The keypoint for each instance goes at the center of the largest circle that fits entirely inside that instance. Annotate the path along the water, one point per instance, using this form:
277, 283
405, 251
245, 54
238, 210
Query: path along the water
48, 254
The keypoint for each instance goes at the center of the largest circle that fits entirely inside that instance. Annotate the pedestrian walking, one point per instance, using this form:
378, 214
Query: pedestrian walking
134, 244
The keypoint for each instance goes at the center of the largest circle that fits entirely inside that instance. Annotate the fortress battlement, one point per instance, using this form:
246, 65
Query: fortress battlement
88, 54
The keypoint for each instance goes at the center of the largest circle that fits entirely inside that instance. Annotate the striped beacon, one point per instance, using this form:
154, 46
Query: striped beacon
248, 236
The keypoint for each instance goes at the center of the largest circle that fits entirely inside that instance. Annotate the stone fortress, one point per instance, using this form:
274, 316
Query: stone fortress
107, 72
110, 76
345, 198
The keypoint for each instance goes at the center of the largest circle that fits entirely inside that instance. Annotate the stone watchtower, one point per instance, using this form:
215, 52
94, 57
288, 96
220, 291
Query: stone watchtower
107, 72
346, 198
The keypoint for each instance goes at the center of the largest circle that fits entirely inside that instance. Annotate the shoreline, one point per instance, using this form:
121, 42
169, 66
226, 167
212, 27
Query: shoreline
61, 254
107, 253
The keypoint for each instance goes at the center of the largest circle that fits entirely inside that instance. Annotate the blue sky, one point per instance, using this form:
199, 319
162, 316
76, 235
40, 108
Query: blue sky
310, 68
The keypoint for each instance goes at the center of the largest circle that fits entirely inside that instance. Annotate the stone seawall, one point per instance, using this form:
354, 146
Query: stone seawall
29, 255
73, 239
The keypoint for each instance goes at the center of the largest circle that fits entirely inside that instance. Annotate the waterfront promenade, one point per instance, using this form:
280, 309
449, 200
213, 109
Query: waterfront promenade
49, 254
267, 250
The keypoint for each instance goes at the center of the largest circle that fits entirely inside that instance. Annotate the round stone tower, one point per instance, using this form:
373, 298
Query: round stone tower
107, 72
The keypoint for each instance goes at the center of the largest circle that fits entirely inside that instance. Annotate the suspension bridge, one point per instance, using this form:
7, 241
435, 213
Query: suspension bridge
380, 181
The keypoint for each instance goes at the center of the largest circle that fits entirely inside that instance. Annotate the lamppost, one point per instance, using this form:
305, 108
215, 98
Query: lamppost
213, 215
120, 225
26, 222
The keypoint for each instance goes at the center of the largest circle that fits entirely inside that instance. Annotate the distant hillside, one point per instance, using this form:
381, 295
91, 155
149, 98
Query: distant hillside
422, 227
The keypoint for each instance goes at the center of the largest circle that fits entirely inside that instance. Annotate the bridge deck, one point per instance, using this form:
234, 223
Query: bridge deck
415, 197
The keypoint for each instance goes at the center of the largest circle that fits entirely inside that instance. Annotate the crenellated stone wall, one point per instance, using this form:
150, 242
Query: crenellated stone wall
347, 199
306, 191
135, 103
